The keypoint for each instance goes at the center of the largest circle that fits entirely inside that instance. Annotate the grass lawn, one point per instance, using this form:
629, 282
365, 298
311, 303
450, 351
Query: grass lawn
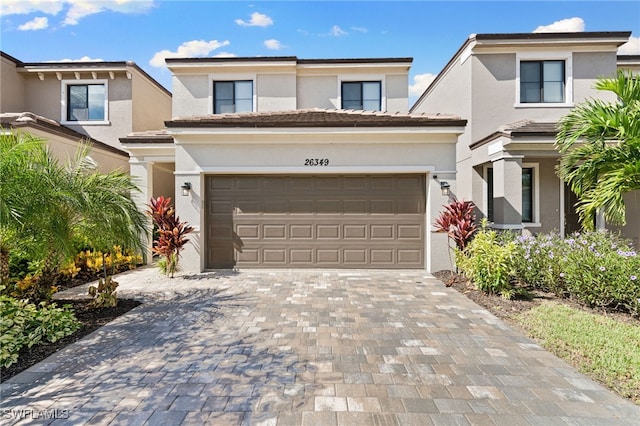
603, 348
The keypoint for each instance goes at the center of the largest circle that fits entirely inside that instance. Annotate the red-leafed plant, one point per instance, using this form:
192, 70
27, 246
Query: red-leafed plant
458, 221
171, 234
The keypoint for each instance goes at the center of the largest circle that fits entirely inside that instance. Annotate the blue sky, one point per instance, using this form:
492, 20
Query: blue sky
147, 31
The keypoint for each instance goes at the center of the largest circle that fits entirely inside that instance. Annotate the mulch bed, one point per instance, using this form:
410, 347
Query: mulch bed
91, 320
506, 309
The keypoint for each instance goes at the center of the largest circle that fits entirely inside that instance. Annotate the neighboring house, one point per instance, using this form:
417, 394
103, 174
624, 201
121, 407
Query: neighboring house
513, 89
66, 102
295, 163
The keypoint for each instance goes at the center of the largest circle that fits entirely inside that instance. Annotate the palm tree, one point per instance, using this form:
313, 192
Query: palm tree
600, 146
45, 206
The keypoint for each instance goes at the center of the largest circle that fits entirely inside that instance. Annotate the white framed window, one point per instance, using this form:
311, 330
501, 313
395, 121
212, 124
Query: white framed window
530, 184
362, 92
361, 95
544, 79
232, 96
85, 102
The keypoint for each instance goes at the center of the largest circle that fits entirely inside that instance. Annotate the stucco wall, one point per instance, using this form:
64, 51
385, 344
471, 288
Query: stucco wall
43, 97
64, 148
194, 160
163, 180
549, 193
151, 106
494, 90
276, 92
632, 229
13, 90
317, 92
397, 93
190, 95
452, 94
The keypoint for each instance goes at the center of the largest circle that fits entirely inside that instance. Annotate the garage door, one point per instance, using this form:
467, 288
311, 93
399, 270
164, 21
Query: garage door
347, 221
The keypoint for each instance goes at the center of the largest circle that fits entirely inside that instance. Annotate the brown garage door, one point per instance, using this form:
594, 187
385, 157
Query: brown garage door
363, 221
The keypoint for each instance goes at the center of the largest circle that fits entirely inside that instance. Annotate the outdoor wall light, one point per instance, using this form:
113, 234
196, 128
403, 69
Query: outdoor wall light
186, 187
445, 188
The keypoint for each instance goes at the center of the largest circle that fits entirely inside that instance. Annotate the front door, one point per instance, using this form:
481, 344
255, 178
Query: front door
571, 218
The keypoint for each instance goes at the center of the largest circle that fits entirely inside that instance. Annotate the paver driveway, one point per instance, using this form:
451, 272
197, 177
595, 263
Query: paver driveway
307, 348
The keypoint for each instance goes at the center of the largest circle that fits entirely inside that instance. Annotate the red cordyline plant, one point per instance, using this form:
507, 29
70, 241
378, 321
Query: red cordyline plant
171, 233
458, 221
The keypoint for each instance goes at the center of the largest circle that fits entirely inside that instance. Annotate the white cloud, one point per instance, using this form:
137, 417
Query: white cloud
188, 49
336, 31
420, 83
273, 44
632, 47
39, 23
76, 9
360, 29
570, 25
257, 20
80, 8
22, 7
83, 59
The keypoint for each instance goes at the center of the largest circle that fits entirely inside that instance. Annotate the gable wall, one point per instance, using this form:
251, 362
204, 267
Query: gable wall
151, 107
12, 93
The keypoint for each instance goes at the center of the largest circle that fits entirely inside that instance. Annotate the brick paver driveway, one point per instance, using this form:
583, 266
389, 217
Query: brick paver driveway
307, 348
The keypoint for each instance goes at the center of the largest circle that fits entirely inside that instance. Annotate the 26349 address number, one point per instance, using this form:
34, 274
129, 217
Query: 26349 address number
316, 162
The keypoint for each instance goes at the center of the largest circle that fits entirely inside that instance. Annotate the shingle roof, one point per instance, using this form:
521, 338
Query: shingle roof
318, 118
152, 136
523, 128
29, 119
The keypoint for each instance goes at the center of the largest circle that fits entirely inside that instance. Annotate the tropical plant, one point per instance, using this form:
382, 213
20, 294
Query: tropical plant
46, 206
458, 221
488, 262
600, 146
104, 294
171, 234
25, 324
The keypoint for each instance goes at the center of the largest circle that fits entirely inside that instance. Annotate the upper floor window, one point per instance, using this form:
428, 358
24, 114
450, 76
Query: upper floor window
542, 81
232, 96
86, 102
362, 95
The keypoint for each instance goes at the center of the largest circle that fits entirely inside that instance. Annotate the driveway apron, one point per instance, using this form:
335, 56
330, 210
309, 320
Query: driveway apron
306, 347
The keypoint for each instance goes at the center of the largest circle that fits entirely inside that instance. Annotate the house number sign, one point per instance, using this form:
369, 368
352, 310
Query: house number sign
316, 162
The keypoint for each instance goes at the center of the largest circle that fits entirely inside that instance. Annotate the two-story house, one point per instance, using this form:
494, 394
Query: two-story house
294, 163
66, 102
513, 89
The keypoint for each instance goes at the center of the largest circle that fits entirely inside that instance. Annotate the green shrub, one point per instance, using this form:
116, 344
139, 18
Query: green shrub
488, 263
598, 269
25, 324
105, 294
538, 262
602, 270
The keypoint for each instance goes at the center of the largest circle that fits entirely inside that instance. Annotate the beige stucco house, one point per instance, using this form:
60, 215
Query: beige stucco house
512, 89
66, 102
296, 163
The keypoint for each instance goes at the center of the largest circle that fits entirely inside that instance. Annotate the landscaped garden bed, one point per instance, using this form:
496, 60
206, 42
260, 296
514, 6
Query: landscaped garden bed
90, 319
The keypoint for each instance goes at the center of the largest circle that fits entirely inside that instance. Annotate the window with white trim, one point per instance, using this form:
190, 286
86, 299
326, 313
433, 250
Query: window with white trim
362, 95
85, 102
232, 96
529, 194
542, 81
